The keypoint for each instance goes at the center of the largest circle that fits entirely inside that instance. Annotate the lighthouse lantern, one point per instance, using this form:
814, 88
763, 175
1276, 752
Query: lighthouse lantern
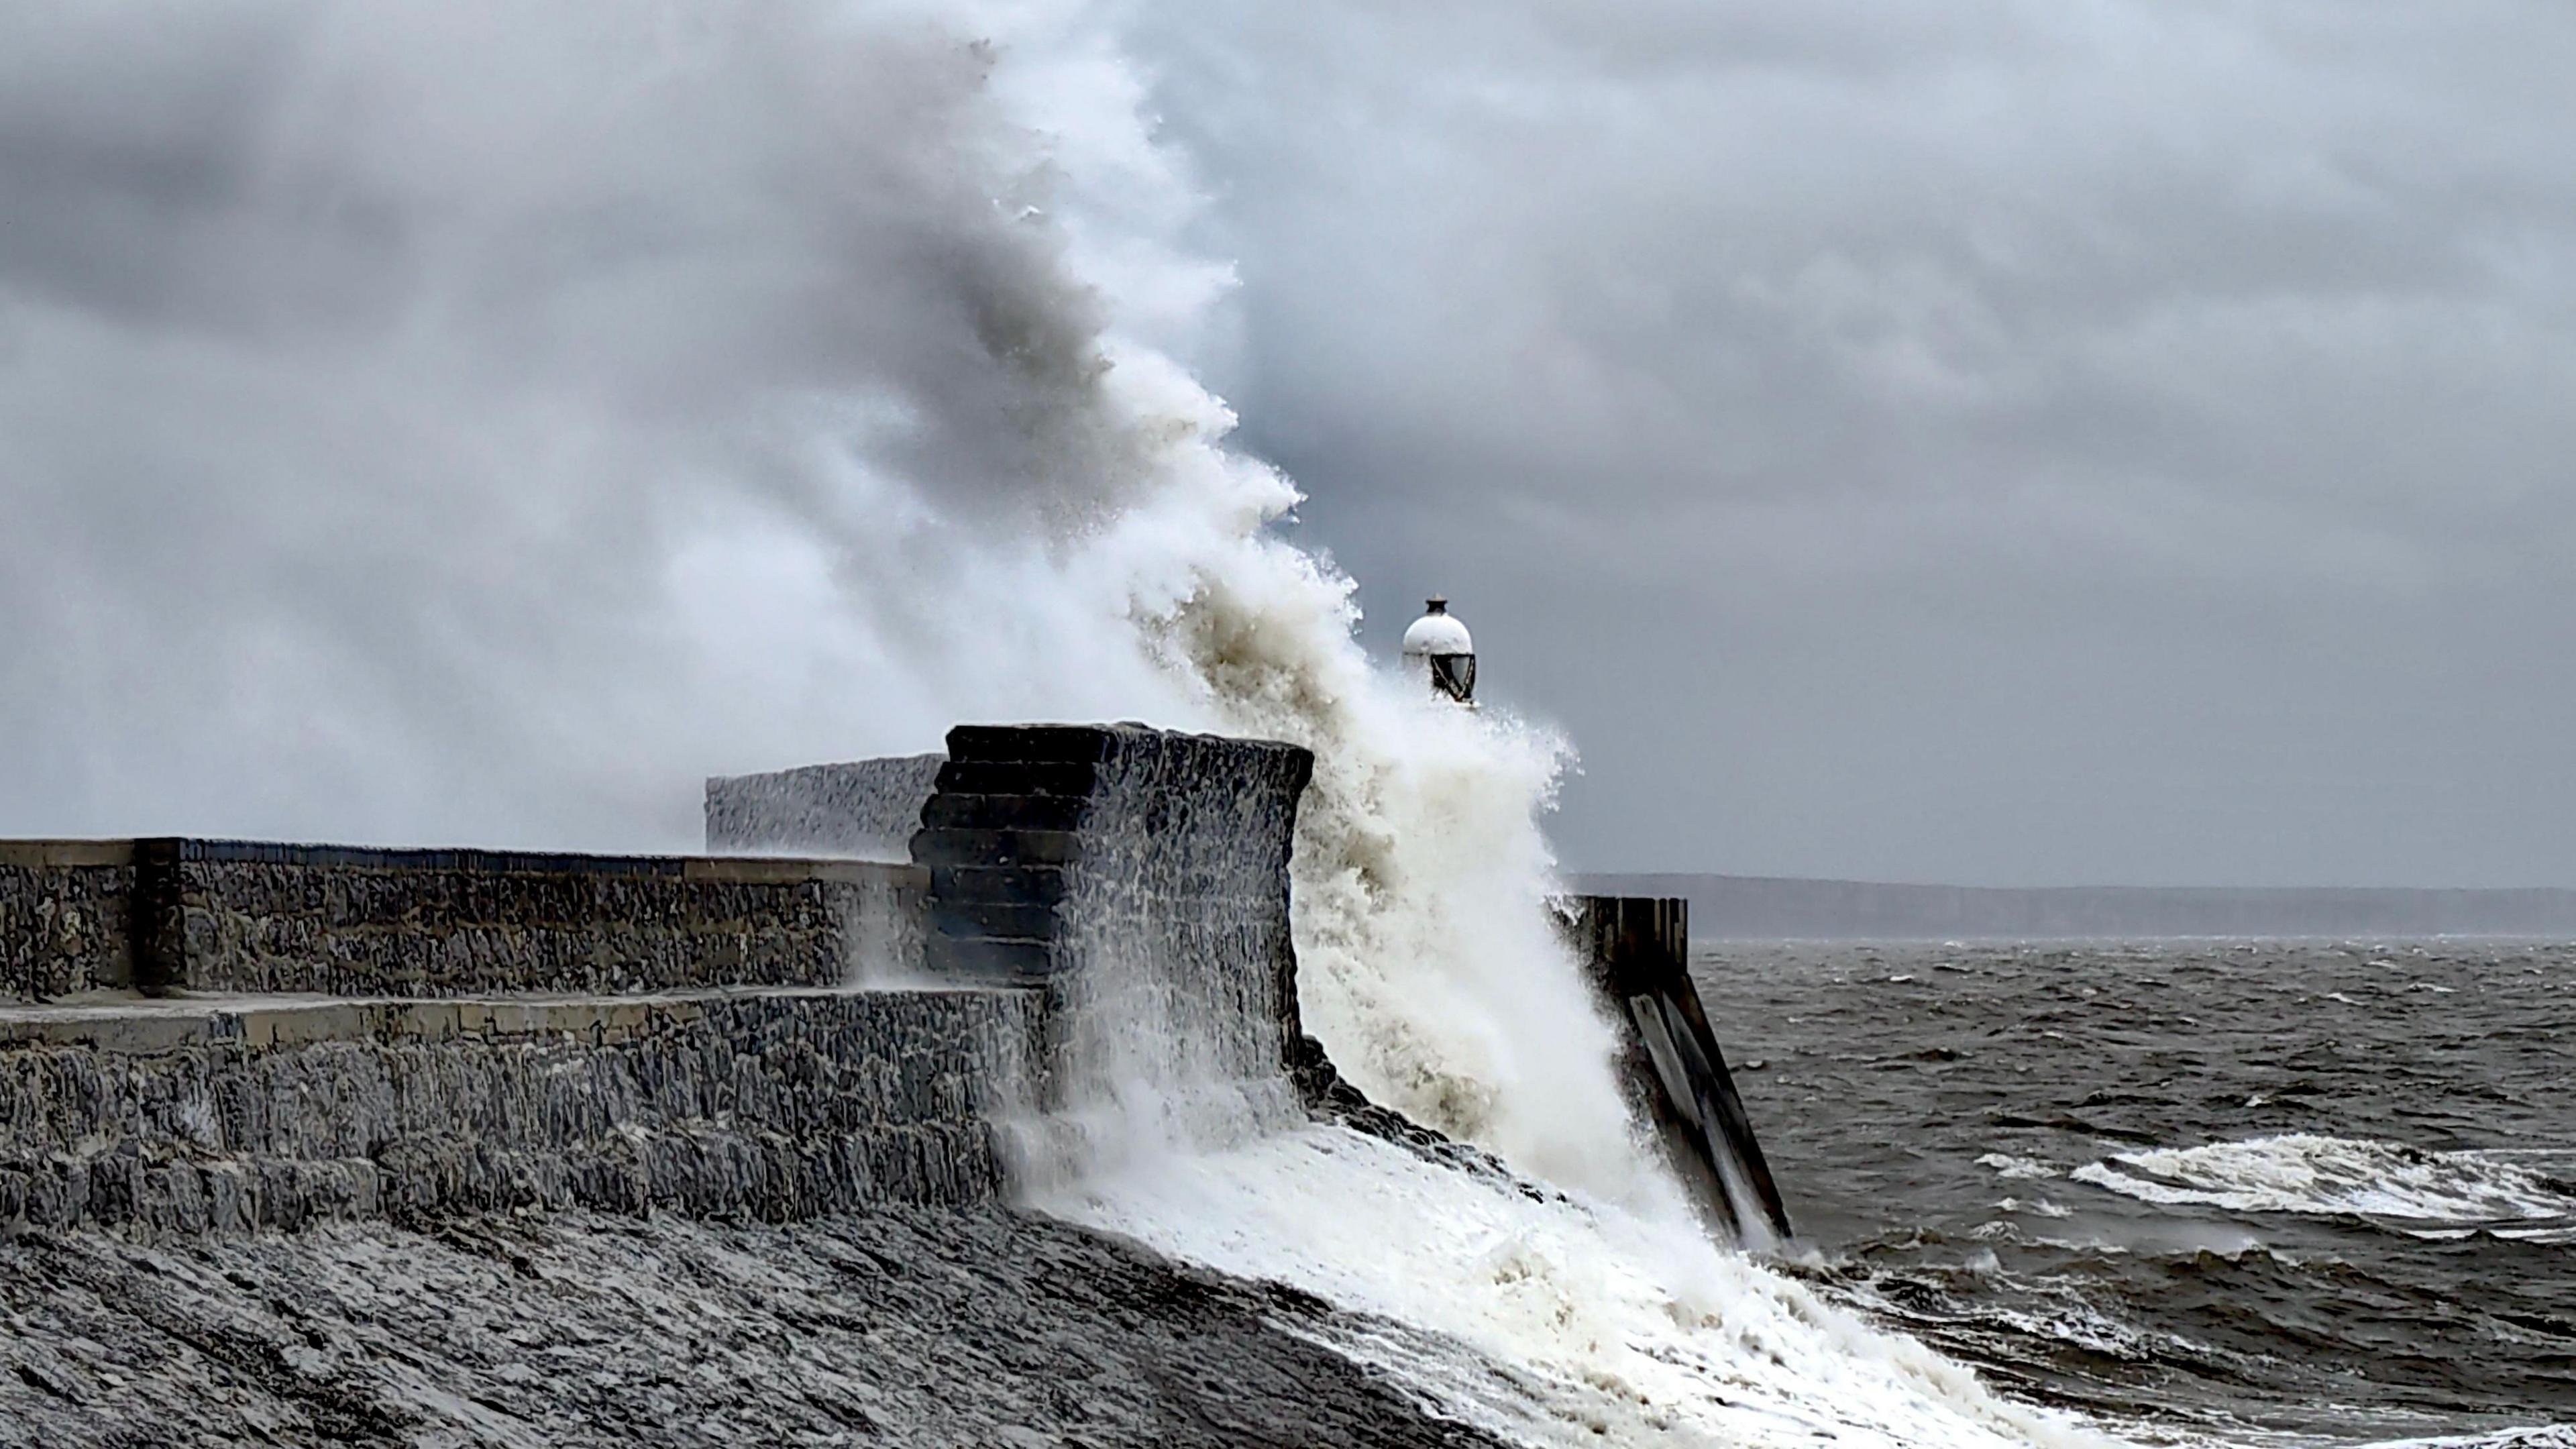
1439, 645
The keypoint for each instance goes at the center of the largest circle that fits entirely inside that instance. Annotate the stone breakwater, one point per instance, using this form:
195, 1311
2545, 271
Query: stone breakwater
181, 915
865, 808
226, 1036
234, 1115
315, 1144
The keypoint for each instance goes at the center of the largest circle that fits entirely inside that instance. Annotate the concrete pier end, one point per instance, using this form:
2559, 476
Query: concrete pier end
1637, 950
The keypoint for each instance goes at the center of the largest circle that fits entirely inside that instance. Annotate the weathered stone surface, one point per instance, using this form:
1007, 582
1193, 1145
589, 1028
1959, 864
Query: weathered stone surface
1018, 884
950, 845
63, 911
865, 808
1024, 744
970, 811
989, 960
973, 1328
1174, 968
1009, 919
1182, 840
1159, 859
417, 924
1010, 777
229, 1117
203, 915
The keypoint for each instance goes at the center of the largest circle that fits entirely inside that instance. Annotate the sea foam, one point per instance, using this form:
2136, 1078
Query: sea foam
2299, 1173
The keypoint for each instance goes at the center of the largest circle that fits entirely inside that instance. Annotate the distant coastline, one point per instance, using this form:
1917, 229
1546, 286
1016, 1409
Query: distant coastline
1743, 908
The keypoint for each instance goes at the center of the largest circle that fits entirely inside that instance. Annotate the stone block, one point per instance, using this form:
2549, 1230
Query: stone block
1020, 885
995, 918
1040, 743
954, 847
991, 960
1016, 777
952, 810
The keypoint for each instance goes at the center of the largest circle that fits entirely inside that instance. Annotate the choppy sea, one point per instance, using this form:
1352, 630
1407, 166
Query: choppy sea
2205, 1192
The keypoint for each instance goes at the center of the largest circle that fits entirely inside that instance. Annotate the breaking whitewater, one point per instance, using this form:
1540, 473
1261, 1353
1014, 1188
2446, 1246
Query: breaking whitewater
2225, 1192
2191, 1192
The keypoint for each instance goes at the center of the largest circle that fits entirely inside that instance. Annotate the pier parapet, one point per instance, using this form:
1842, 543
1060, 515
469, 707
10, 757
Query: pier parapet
1178, 842
208, 1035
232, 1114
867, 809
65, 912
168, 915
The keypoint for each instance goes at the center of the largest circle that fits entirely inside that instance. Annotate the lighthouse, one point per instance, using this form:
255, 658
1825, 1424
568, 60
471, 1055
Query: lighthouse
1439, 646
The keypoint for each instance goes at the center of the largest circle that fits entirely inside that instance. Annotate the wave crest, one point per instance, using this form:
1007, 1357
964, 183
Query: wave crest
2330, 1176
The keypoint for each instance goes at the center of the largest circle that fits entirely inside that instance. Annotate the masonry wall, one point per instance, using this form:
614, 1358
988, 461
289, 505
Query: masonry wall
1138, 876
233, 916
193, 1118
1176, 845
227, 1036
863, 808
64, 917
1025, 831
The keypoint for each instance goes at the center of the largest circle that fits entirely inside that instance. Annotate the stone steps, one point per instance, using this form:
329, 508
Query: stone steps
1158, 832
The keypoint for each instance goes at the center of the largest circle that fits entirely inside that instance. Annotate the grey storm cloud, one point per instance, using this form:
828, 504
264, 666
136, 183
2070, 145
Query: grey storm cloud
1994, 441
1999, 442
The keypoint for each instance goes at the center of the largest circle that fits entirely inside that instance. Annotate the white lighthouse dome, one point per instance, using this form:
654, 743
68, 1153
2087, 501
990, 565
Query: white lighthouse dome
1438, 632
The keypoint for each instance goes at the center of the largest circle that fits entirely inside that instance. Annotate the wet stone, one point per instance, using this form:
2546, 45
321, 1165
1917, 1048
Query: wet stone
904, 1327
774, 1106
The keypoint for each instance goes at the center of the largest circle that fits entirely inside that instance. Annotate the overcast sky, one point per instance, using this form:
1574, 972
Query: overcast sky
2109, 441
2072, 441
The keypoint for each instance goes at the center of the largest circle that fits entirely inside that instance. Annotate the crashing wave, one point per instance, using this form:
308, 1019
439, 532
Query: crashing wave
2331, 1176
2012, 1168
2545, 1436
1584, 1323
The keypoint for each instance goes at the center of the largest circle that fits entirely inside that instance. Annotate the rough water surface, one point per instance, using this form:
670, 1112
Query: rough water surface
982, 1328
2224, 1192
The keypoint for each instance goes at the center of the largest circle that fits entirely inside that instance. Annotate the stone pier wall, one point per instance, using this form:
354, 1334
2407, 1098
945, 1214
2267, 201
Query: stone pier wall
1156, 844
234, 1116
866, 809
236, 916
64, 910
226, 1036
1047, 847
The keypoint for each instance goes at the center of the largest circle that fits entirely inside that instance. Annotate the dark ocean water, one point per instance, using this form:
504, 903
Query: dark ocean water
2207, 1191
